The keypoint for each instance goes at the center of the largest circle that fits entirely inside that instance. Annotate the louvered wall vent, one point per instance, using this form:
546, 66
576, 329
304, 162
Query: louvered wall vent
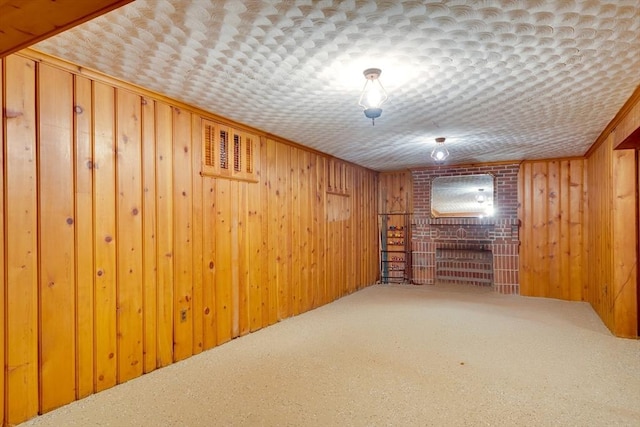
219, 159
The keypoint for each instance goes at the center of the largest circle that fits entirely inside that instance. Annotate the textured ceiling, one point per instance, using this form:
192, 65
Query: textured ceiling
500, 79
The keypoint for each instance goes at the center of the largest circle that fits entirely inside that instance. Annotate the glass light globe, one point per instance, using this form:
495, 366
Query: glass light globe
440, 152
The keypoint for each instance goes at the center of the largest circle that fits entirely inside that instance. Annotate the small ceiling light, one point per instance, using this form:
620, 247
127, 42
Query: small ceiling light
373, 94
480, 197
440, 152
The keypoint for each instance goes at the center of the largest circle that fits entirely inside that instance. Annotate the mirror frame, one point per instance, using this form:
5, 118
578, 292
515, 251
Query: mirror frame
462, 190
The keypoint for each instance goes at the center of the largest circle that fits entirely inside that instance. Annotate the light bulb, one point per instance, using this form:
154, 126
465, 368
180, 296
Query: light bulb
374, 98
440, 152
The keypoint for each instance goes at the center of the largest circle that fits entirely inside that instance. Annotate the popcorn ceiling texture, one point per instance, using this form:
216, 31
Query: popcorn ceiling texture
500, 79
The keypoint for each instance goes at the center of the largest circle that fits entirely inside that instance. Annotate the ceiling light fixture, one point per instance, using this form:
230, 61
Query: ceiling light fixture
480, 198
440, 152
373, 94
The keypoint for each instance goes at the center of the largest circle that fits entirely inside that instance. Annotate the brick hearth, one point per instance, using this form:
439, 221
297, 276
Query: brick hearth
468, 265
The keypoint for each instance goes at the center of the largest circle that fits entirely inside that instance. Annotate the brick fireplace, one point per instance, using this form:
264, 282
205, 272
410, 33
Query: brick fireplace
469, 265
477, 251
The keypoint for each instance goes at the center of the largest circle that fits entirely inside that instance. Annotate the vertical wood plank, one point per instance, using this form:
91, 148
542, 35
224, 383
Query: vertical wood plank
236, 268
565, 230
539, 222
243, 259
352, 225
373, 231
369, 209
283, 248
590, 214
198, 236
164, 205
357, 224
335, 267
266, 284
273, 226
306, 237
553, 230
605, 229
183, 239
625, 243
209, 262
346, 259
526, 258
597, 239
576, 223
21, 309
296, 224
364, 230
129, 236
339, 235
255, 254
351, 255
149, 233
104, 237
3, 267
321, 209
332, 268
57, 235
223, 261
315, 231
84, 164
587, 222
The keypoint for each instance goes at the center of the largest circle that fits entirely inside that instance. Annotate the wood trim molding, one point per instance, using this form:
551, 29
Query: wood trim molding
463, 165
27, 22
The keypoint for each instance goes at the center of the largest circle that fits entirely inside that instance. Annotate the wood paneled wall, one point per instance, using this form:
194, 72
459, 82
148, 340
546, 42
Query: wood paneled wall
579, 238
551, 204
396, 192
118, 257
611, 269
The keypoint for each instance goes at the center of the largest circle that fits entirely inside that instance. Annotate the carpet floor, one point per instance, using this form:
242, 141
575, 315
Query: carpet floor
396, 355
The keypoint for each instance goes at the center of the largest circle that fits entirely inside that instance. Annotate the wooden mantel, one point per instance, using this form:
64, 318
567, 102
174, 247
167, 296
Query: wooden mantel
25, 22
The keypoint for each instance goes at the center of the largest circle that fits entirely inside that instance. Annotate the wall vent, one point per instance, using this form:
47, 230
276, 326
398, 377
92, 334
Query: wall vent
221, 160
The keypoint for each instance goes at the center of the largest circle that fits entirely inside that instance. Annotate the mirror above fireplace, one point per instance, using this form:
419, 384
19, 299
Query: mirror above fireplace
462, 196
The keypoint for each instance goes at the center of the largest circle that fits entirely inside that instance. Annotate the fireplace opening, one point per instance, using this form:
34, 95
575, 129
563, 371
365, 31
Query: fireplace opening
469, 266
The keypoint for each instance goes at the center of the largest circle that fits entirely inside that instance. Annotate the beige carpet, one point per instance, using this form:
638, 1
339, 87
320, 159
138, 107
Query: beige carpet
394, 355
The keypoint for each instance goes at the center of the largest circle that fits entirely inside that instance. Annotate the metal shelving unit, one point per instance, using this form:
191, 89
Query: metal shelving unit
395, 248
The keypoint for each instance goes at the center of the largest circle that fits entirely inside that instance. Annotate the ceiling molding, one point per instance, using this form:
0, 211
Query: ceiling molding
466, 165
